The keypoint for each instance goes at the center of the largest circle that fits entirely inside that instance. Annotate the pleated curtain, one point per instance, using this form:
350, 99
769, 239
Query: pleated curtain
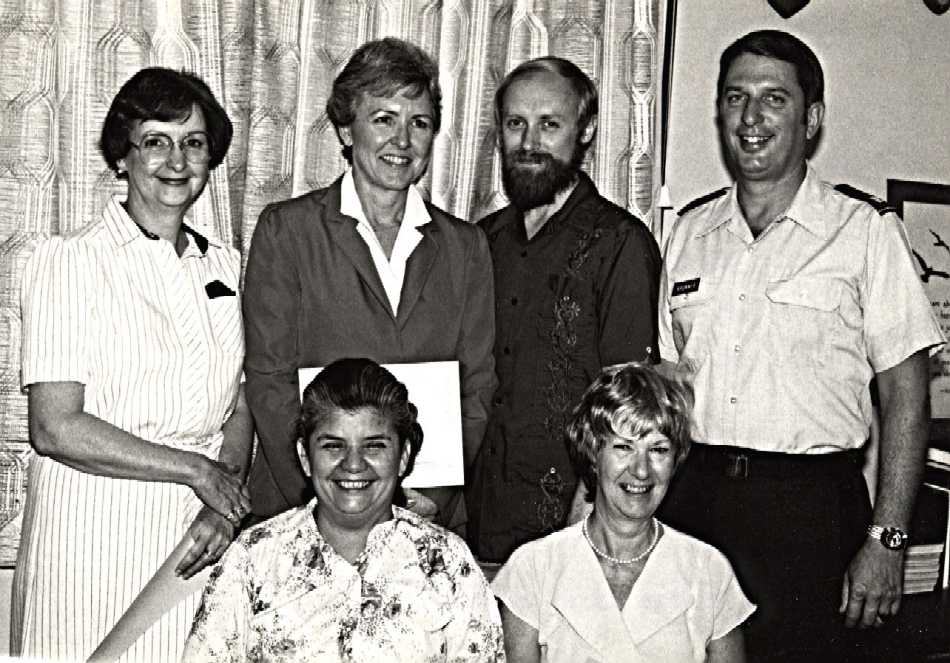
271, 63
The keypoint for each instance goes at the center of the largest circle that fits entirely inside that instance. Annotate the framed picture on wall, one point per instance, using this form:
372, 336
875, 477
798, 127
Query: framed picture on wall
925, 208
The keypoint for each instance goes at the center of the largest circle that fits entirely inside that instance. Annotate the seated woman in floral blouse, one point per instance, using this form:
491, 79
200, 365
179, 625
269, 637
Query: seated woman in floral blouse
350, 576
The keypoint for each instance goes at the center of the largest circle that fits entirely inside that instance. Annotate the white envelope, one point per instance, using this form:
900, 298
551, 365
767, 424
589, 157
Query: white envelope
434, 390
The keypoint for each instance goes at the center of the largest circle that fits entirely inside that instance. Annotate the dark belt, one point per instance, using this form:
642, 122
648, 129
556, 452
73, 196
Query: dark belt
741, 463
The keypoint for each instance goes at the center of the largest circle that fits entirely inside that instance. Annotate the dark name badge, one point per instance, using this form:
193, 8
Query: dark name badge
685, 287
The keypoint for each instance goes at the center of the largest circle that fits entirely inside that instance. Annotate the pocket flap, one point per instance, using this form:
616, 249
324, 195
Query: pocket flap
820, 293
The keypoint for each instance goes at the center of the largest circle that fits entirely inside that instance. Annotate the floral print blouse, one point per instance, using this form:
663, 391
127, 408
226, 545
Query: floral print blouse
281, 593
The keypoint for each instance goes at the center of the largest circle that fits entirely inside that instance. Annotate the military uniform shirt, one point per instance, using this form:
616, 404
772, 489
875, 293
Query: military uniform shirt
781, 334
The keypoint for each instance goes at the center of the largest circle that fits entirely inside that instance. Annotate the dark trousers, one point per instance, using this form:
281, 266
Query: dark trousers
789, 525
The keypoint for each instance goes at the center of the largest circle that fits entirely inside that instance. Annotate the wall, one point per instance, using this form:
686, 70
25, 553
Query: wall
886, 68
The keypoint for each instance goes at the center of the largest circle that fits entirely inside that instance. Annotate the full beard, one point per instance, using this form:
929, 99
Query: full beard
528, 187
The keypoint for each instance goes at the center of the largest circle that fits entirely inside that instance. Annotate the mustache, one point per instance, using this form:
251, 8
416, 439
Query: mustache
522, 156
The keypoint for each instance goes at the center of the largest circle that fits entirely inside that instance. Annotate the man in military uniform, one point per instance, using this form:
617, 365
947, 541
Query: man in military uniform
781, 298
576, 281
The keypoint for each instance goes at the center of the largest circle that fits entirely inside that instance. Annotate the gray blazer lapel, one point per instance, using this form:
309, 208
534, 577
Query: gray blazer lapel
342, 230
417, 271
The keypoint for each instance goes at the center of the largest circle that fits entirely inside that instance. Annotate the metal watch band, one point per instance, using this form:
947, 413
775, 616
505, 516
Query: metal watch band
893, 538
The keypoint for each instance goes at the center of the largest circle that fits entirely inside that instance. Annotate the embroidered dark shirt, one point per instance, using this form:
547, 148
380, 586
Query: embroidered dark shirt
579, 295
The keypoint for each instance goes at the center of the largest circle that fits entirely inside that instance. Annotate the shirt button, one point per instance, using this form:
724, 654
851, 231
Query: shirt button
524, 254
514, 301
733, 400
742, 297
736, 348
506, 350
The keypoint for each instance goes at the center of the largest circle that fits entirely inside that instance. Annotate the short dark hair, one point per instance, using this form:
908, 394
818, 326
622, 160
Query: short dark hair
781, 46
628, 400
584, 88
158, 93
353, 384
382, 68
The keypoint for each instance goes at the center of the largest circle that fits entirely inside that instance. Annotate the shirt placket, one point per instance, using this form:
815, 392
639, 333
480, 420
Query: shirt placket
197, 275
749, 325
191, 329
512, 300
740, 256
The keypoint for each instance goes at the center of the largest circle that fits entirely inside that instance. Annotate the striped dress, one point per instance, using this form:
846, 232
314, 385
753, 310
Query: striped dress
160, 357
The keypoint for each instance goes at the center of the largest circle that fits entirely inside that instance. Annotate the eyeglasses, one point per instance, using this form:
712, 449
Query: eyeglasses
157, 147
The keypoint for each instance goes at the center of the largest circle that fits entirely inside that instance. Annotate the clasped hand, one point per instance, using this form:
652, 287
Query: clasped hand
211, 534
226, 502
220, 486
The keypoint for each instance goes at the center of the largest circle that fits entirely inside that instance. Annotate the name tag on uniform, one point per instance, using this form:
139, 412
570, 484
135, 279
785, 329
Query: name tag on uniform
685, 287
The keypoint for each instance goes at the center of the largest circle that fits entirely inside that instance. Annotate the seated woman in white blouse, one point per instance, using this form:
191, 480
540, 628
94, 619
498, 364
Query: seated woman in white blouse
349, 576
619, 585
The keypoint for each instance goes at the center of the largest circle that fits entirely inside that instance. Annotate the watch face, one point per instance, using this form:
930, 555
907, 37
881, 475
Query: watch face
893, 538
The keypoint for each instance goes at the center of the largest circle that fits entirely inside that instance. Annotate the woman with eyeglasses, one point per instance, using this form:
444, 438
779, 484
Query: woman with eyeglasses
131, 355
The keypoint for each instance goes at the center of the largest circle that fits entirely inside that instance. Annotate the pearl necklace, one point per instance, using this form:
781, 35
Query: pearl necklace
617, 560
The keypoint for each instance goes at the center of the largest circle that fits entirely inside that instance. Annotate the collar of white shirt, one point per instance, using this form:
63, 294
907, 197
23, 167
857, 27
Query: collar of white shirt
124, 229
807, 209
392, 271
659, 596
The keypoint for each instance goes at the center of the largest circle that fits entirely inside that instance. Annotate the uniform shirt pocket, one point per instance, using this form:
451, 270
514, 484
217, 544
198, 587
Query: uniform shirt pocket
691, 315
803, 311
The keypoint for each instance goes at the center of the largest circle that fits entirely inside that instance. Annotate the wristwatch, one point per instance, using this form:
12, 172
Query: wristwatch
892, 538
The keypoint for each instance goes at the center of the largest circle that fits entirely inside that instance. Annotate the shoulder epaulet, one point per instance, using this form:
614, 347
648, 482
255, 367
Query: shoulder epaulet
702, 200
881, 206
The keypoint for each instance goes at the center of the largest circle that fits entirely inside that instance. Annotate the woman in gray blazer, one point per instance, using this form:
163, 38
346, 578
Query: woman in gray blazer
366, 268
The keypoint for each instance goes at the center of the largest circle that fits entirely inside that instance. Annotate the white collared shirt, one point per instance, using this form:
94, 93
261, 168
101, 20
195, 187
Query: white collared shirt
133, 322
780, 334
391, 271
686, 596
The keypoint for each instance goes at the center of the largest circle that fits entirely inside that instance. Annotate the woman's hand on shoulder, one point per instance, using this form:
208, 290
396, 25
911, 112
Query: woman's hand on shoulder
420, 504
221, 487
211, 534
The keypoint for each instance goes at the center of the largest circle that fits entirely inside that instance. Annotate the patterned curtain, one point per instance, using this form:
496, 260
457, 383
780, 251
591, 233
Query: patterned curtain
272, 62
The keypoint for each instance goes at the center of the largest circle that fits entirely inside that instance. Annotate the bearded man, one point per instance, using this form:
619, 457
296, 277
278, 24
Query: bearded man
576, 284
